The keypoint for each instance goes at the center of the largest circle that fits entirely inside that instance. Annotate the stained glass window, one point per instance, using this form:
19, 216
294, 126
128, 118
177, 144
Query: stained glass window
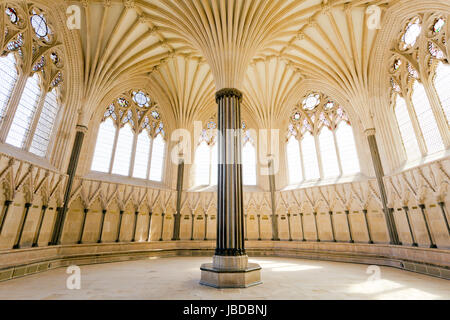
438, 25
12, 14
39, 24
311, 101
411, 34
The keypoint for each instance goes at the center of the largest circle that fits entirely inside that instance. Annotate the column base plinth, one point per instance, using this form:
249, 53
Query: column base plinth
249, 277
230, 272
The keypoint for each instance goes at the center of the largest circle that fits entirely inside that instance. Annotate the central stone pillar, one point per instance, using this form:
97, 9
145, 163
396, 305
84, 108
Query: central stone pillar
230, 267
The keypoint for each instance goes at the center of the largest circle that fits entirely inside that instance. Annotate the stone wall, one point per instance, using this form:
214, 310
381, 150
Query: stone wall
341, 213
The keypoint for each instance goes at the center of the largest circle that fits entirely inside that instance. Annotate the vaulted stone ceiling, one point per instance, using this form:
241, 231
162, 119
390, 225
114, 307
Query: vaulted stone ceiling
264, 48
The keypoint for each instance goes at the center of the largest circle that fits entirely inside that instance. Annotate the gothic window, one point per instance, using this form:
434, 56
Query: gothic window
420, 90
320, 141
130, 139
33, 114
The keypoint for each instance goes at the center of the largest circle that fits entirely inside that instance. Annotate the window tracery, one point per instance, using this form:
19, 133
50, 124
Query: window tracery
32, 62
322, 130
420, 74
131, 138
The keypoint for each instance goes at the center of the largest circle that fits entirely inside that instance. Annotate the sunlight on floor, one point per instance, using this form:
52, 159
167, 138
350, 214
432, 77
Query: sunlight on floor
178, 278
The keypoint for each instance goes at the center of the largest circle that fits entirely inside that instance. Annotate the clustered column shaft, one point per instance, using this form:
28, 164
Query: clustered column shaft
230, 223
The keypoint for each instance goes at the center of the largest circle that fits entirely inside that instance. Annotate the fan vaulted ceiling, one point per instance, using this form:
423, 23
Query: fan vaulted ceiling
186, 50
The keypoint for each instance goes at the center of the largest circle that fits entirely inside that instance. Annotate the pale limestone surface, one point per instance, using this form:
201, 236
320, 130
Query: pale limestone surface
178, 278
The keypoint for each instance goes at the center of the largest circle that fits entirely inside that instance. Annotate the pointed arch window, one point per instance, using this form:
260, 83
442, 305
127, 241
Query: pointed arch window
28, 120
420, 92
327, 144
130, 140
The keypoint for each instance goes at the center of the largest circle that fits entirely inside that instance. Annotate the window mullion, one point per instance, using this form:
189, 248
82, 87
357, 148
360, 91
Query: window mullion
319, 157
11, 108
416, 126
113, 155
301, 159
35, 121
133, 154
150, 158
338, 155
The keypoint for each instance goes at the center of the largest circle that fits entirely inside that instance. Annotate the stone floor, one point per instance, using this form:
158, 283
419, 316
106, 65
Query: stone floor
177, 278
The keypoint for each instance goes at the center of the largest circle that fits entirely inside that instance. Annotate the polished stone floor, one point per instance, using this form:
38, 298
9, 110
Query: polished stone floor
177, 278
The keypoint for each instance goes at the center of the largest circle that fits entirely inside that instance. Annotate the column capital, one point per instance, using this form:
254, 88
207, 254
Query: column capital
370, 132
81, 128
228, 92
